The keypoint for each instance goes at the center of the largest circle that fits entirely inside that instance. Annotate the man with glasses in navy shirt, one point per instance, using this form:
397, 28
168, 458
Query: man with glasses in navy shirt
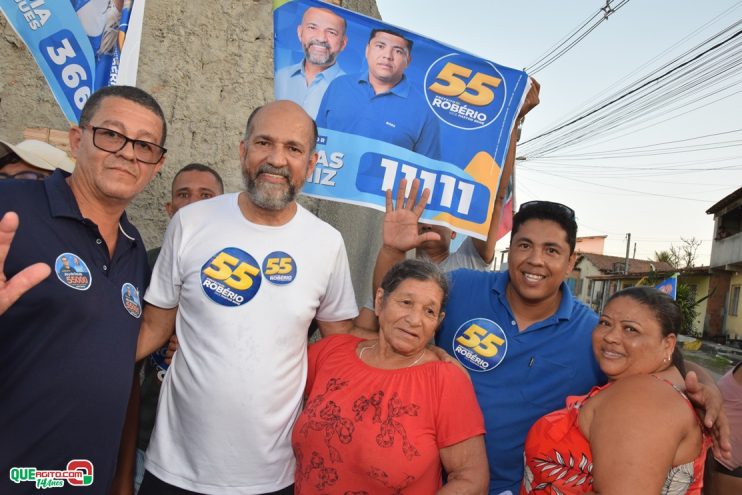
67, 345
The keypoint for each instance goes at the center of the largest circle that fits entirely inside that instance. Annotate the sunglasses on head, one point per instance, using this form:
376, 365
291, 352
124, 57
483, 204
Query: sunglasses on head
559, 206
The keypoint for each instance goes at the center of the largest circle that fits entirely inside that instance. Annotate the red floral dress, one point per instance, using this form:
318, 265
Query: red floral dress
558, 459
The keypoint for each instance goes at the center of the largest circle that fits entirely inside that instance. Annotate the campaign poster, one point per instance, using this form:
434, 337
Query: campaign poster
391, 104
79, 45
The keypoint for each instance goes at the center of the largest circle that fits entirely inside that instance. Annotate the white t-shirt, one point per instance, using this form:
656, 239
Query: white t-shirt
466, 256
246, 295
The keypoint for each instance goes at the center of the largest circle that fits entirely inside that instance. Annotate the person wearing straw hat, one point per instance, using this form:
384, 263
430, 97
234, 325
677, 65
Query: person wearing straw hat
32, 159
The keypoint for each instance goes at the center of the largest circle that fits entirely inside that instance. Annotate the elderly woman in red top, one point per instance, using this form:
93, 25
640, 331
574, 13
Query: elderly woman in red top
385, 416
638, 434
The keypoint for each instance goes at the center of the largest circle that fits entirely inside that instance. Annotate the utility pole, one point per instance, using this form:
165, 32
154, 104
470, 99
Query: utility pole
628, 246
634, 255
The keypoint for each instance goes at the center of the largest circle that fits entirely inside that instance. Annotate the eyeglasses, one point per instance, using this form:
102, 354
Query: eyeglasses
25, 175
112, 141
559, 206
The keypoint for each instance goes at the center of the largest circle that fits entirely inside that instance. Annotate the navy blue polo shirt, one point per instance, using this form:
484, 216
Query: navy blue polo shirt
518, 376
67, 346
399, 116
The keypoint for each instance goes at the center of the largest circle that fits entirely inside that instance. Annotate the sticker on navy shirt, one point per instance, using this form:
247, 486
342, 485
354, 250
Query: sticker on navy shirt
279, 268
130, 298
480, 344
231, 277
72, 271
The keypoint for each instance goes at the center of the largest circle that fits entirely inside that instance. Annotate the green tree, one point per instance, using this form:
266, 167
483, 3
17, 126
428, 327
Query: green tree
688, 309
682, 256
667, 256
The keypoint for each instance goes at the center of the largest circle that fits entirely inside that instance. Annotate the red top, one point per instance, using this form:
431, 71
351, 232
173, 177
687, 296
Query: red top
366, 430
558, 457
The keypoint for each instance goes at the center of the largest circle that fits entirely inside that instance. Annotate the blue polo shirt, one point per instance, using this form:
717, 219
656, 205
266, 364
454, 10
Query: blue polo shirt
291, 84
518, 376
67, 346
399, 116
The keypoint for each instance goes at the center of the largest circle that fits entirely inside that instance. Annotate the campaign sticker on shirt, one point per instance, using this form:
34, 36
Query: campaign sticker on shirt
72, 271
279, 268
480, 344
157, 360
231, 277
130, 298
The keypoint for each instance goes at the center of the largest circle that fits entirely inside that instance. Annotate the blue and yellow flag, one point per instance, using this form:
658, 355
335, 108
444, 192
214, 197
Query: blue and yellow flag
669, 286
79, 44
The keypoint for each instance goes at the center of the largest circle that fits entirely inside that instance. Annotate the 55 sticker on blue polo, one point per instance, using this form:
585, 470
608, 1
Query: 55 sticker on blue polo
231, 277
480, 344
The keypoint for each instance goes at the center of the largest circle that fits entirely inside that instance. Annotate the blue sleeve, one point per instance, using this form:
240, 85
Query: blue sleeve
430, 139
323, 107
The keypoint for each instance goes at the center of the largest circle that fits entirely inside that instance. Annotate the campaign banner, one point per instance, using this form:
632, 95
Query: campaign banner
79, 45
391, 104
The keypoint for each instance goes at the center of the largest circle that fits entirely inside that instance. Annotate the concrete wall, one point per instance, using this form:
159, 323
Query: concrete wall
587, 269
702, 289
208, 64
716, 304
727, 252
592, 244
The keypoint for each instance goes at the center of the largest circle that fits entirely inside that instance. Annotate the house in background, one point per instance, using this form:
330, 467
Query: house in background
590, 244
597, 276
697, 279
726, 269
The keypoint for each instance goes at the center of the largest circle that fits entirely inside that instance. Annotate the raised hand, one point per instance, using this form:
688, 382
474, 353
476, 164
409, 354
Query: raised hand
401, 218
11, 290
532, 99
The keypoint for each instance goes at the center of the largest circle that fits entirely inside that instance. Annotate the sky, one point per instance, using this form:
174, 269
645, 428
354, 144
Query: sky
610, 197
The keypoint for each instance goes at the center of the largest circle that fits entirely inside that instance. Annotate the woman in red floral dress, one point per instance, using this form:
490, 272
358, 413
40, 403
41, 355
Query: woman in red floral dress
639, 433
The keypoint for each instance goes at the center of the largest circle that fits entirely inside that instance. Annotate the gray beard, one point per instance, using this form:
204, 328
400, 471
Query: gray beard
272, 197
327, 60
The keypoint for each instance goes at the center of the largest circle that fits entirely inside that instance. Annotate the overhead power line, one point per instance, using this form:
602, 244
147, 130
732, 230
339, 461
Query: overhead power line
575, 36
714, 66
640, 87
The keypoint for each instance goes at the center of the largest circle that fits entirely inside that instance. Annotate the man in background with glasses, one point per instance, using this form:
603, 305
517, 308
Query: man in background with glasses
67, 345
32, 160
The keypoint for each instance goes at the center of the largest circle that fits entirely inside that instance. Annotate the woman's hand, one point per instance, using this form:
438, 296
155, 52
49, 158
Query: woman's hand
400, 221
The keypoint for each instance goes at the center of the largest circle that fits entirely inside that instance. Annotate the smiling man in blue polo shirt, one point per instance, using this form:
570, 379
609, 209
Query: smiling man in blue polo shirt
67, 345
521, 334
382, 104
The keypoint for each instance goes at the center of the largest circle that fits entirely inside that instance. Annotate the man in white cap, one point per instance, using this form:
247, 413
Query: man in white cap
32, 159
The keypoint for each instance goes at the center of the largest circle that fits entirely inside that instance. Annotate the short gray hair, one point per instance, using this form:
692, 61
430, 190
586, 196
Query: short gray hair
417, 270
